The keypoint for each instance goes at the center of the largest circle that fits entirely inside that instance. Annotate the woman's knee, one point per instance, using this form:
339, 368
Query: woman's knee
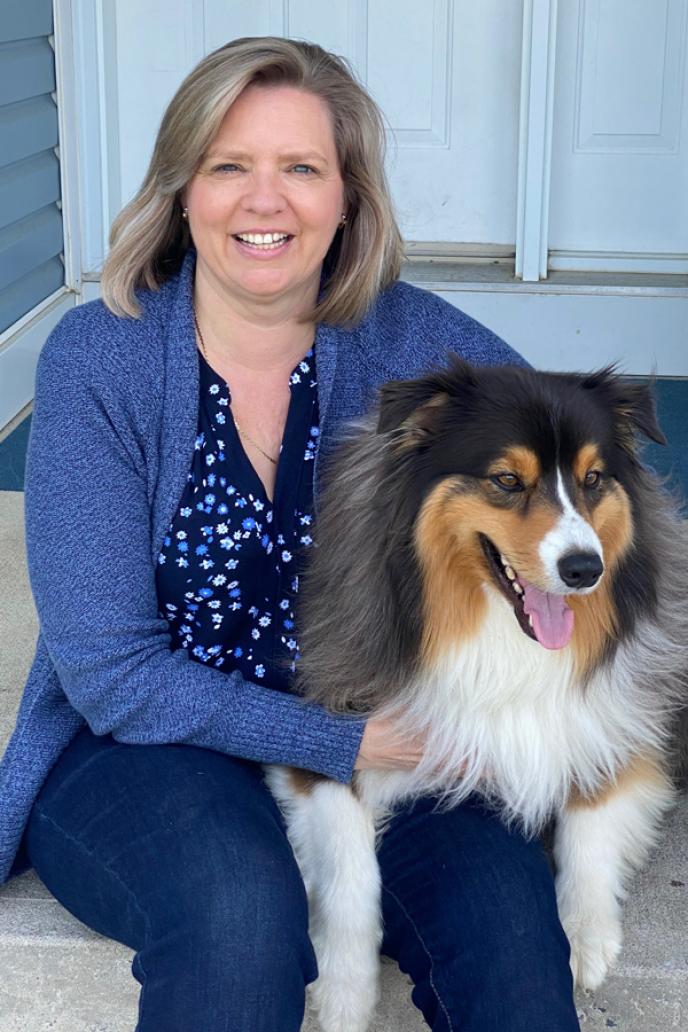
233, 953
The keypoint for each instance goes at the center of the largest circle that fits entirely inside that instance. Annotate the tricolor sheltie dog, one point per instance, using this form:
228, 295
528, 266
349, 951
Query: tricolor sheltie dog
496, 569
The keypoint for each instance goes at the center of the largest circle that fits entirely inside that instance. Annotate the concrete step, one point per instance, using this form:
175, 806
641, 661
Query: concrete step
58, 976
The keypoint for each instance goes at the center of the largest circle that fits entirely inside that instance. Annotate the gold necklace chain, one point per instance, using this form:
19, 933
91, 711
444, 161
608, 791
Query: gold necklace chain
236, 423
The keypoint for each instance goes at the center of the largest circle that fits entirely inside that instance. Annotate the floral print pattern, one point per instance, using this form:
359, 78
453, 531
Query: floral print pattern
228, 571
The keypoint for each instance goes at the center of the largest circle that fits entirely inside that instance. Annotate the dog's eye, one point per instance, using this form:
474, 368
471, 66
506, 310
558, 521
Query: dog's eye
507, 481
593, 478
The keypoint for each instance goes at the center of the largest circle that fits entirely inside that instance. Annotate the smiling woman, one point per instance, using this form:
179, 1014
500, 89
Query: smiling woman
182, 429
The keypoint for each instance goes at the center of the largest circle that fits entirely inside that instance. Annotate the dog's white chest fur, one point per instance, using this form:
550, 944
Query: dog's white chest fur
513, 718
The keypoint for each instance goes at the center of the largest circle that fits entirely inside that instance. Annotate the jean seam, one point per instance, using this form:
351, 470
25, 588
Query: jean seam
427, 953
93, 855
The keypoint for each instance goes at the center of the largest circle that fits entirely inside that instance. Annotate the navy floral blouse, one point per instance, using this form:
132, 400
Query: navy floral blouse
228, 572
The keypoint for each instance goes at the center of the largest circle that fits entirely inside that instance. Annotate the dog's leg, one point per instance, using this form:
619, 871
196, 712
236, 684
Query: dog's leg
598, 843
333, 837
346, 926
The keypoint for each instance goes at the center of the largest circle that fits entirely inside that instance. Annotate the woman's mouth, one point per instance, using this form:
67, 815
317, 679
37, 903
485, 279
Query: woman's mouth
263, 242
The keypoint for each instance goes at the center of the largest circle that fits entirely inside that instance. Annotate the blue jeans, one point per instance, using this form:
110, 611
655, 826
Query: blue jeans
181, 854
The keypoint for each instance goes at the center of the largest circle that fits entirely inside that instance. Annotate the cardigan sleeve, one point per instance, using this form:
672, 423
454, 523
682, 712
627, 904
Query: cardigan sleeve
88, 536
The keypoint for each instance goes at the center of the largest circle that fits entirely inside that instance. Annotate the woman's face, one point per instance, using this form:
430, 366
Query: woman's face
271, 169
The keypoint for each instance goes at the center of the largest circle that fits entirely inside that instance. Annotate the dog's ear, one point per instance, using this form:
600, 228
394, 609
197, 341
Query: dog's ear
633, 405
401, 402
407, 404
636, 405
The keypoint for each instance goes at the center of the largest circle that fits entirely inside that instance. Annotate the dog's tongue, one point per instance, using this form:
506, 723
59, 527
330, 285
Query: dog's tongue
552, 618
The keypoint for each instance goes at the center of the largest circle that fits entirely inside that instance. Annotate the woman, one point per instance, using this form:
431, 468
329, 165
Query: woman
179, 438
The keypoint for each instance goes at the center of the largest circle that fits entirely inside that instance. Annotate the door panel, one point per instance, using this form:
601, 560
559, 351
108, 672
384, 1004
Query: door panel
620, 141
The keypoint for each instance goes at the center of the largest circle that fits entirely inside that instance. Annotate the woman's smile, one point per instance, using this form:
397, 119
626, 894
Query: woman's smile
261, 244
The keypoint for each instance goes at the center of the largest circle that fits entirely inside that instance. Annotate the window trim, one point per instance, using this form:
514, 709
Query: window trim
62, 42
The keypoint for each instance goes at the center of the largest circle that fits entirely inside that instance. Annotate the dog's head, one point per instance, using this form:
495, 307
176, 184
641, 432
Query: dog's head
521, 480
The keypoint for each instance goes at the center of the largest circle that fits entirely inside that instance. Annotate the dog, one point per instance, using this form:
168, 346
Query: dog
494, 568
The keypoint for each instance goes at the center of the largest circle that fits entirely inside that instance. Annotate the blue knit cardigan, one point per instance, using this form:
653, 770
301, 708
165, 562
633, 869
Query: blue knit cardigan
111, 443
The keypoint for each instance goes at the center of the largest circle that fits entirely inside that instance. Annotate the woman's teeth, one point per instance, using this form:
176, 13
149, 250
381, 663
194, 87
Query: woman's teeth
266, 241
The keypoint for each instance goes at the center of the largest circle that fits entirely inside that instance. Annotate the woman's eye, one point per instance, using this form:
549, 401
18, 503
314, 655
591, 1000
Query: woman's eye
508, 482
593, 478
229, 167
302, 169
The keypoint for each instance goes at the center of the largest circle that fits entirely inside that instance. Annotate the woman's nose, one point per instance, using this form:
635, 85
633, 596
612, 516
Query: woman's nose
264, 193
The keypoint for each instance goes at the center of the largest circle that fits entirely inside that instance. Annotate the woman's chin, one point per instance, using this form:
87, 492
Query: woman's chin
262, 283
271, 285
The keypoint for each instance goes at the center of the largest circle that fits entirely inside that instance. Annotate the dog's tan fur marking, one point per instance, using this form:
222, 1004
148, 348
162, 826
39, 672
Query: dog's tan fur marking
594, 625
451, 562
612, 521
452, 559
303, 781
587, 458
595, 614
642, 770
519, 460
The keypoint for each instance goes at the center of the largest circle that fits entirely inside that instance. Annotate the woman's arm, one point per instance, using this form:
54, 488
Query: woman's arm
88, 532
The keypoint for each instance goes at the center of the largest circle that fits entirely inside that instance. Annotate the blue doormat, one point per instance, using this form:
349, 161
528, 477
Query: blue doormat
13, 457
670, 462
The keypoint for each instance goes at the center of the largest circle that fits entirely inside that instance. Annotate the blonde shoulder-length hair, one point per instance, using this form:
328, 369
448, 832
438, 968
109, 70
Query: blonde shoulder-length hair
149, 237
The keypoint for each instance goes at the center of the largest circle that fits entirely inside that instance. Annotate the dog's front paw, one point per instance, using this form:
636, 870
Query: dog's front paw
343, 1008
595, 945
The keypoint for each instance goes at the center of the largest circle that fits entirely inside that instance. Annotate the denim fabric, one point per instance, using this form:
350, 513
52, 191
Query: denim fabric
181, 853
470, 914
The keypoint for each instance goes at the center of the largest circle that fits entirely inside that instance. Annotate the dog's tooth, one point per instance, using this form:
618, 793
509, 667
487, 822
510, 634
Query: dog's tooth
510, 573
504, 561
530, 620
517, 587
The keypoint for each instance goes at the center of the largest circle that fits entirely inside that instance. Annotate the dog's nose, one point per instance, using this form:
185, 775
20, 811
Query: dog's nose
580, 569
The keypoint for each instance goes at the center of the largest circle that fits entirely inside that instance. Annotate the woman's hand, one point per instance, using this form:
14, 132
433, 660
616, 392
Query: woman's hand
385, 747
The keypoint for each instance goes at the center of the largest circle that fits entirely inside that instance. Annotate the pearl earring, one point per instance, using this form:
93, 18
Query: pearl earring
185, 213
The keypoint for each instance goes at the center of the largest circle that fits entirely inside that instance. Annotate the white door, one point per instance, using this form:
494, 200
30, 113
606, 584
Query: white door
619, 174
